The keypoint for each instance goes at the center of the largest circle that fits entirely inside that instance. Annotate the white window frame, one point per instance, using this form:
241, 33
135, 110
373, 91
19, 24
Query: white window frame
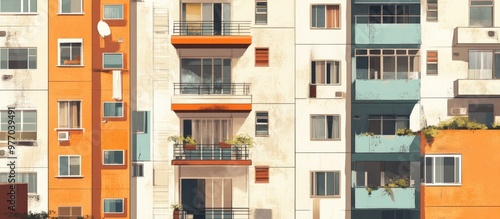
104, 205
261, 123
104, 107
69, 40
22, 7
413, 55
28, 56
20, 113
69, 164
137, 170
113, 164
261, 13
492, 14
104, 12
326, 129
25, 175
59, 114
61, 12
339, 17
111, 53
332, 82
69, 216
313, 179
433, 156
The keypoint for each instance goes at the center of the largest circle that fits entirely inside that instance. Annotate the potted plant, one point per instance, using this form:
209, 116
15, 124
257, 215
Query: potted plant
223, 144
239, 141
177, 210
189, 143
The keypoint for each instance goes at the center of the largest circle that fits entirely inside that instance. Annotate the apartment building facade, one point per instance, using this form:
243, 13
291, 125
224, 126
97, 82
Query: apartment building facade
89, 120
23, 88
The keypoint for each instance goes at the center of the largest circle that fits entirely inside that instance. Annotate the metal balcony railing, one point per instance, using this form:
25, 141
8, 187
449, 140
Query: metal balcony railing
220, 213
210, 152
212, 88
210, 28
387, 19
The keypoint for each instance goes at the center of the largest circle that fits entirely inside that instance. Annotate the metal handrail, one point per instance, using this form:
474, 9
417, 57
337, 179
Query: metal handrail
387, 19
210, 152
212, 88
210, 28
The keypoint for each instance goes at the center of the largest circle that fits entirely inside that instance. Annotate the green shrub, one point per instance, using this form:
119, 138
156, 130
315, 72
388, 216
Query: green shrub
401, 132
460, 122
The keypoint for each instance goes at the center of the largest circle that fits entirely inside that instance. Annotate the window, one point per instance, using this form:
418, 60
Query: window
113, 157
139, 122
207, 130
137, 170
70, 6
260, 12
387, 64
113, 12
432, 10
443, 169
484, 64
261, 123
381, 173
432, 62
112, 60
113, 109
482, 113
387, 125
325, 72
481, 13
69, 165
325, 127
206, 76
18, 6
25, 124
392, 14
113, 205
18, 58
261, 174
261, 57
69, 114
29, 178
208, 19
69, 212
325, 184
325, 16
70, 52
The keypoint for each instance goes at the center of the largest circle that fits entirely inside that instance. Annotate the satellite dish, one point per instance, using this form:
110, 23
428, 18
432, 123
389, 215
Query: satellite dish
103, 29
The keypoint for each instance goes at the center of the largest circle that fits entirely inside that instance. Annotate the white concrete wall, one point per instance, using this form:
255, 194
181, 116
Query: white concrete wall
27, 89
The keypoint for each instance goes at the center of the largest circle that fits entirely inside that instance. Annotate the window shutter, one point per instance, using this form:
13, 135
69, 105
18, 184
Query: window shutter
261, 174
261, 57
432, 56
312, 91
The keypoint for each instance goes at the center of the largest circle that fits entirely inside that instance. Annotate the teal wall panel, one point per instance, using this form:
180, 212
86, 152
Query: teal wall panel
141, 142
404, 90
387, 33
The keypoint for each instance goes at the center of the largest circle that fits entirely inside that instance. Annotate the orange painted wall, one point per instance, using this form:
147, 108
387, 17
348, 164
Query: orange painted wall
478, 196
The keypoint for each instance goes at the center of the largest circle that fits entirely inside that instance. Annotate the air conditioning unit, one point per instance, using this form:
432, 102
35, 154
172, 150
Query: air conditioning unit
459, 111
491, 33
413, 75
63, 136
3, 153
339, 94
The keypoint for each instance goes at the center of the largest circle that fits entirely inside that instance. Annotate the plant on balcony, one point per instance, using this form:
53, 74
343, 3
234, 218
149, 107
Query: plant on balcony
177, 210
495, 125
404, 132
188, 142
223, 144
398, 182
241, 140
367, 134
430, 133
371, 188
461, 122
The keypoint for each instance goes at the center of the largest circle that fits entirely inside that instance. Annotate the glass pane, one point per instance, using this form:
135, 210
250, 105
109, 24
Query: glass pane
389, 67
375, 126
320, 183
25, 5
320, 16
10, 6
63, 166
29, 116
33, 5
330, 186
313, 15
18, 59
318, 127
457, 170
481, 16
439, 168
329, 127
138, 122
402, 67
113, 11
389, 127
4, 58
449, 169
113, 61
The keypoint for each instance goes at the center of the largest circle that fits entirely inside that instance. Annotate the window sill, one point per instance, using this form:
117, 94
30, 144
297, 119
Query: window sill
441, 184
112, 19
70, 65
76, 13
105, 164
19, 13
112, 117
328, 85
76, 177
261, 135
324, 28
316, 139
69, 129
321, 197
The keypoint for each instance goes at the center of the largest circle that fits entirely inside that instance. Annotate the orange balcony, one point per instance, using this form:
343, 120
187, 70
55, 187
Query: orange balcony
233, 34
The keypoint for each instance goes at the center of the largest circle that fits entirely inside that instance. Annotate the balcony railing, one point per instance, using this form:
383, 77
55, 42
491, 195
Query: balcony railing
387, 19
212, 88
210, 152
387, 75
210, 28
219, 213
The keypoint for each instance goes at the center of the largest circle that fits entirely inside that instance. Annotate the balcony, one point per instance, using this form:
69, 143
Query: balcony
212, 97
221, 213
476, 36
211, 154
477, 87
387, 144
233, 34
369, 29
380, 198
386, 1
389, 90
